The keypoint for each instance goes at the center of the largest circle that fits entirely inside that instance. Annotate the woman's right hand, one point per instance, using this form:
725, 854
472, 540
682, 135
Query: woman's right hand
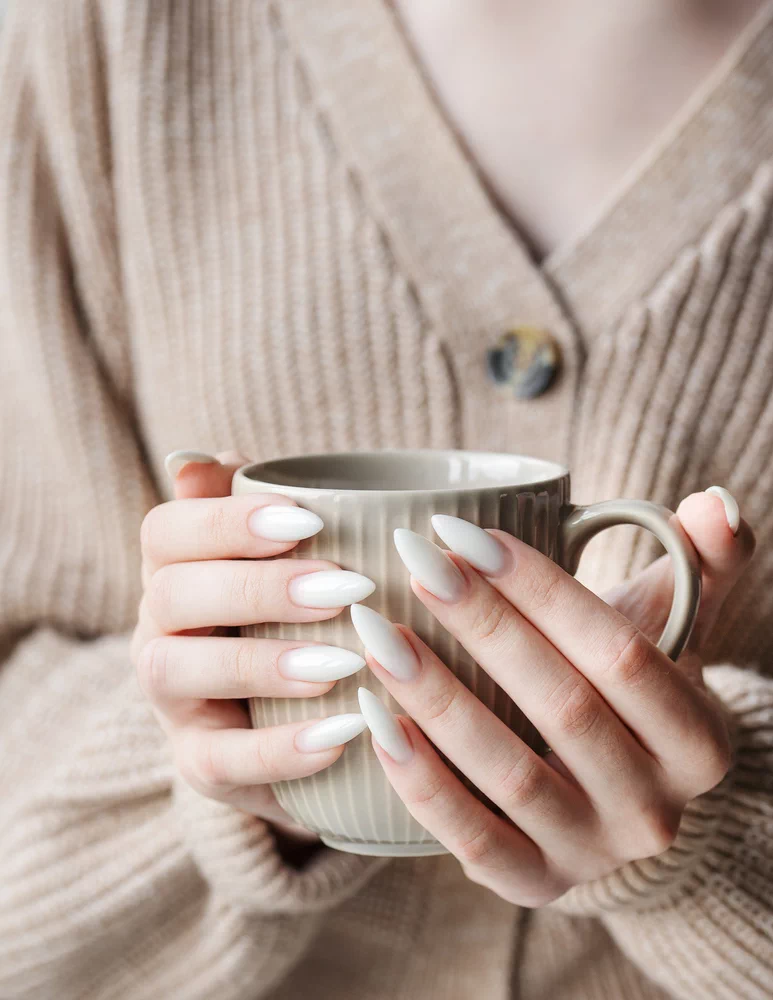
205, 570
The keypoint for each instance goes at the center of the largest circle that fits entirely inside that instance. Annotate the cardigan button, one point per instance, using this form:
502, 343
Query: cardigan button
525, 361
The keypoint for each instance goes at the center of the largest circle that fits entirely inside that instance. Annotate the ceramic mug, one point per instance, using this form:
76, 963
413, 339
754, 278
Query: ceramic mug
362, 497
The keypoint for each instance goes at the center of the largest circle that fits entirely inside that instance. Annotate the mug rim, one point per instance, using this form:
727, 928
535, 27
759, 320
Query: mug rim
249, 473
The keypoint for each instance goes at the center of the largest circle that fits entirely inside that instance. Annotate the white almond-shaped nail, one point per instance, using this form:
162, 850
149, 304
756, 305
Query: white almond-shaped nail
176, 461
319, 663
283, 523
429, 564
732, 510
385, 642
472, 543
330, 588
387, 731
329, 733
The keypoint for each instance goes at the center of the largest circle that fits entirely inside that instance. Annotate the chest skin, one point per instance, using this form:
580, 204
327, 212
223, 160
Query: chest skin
557, 100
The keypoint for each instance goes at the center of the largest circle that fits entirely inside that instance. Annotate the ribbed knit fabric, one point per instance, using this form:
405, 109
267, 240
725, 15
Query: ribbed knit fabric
246, 225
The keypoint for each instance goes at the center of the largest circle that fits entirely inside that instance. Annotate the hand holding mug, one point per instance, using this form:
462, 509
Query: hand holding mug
514, 647
210, 564
502, 633
632, 738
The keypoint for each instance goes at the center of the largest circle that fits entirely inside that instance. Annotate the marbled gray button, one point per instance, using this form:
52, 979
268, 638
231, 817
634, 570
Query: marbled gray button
525, 361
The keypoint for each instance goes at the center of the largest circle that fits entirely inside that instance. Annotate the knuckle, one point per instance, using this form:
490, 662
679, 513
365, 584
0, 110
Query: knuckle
628, 657
153, 667
719, 762
238, 663
427, 793
137, 643
477, 849
202, 763
538, 898
714, 759
522, 784
441, 705
655, 831
490, 622
480, 876
151, 530
217, 525
541, 590
268, 765
245, 586
530, 896
160, 593
575, 707
189, 756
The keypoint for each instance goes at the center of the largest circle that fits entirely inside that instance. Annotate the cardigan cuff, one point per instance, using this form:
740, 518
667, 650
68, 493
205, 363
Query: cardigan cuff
714, 826
238, 856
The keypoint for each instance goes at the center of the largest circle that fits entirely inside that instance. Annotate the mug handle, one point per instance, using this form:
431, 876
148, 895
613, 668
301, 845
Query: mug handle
580, 524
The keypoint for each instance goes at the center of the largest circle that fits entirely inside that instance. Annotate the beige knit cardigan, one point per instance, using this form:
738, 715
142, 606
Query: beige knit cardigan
246, 225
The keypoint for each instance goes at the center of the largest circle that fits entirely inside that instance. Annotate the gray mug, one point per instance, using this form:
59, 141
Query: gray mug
362, 497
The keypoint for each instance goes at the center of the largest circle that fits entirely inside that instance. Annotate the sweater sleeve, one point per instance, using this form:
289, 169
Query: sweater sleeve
698, 919
115, 878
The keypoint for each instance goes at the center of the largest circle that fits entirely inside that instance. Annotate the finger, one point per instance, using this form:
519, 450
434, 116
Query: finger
724, 554
201, 713
198, 474
252, 526
489, 848
176, 670
261, 801
672, 719
148, 628
216, 761
606, 760
242, 592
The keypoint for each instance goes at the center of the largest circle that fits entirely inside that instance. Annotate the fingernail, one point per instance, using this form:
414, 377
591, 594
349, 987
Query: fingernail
732, 511
429, 564
176, 461
329, 733
386, 730
478, 547
329, 588
319, 663
385, 643
280, 523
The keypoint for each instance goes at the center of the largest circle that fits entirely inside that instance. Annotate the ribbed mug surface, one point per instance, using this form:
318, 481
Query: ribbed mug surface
351, 805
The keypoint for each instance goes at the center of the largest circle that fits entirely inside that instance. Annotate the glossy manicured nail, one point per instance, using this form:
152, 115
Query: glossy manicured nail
280, 523
176, 461
732, 511
330, 588
429, 564
329, 733
319, 663
472, 543
385, 643
386, 730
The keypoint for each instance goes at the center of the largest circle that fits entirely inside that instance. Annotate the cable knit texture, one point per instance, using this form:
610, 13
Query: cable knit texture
247, 225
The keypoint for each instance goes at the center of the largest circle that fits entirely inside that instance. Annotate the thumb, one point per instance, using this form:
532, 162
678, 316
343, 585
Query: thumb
725, 544
197, 474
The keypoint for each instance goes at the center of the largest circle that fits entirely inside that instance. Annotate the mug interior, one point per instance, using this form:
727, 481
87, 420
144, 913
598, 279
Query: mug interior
406, 471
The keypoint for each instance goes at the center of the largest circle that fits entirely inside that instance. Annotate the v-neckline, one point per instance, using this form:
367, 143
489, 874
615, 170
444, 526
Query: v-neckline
441, 218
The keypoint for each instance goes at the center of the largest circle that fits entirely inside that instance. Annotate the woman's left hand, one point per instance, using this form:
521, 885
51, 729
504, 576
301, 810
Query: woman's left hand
633, 736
